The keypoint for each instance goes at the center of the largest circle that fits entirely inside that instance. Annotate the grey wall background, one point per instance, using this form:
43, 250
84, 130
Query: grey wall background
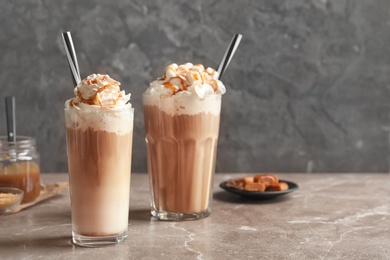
308, 90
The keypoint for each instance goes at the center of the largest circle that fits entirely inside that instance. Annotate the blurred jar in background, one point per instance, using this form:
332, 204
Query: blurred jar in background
19, 166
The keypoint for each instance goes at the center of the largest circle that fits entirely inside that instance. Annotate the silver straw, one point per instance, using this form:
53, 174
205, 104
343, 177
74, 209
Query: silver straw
72, 58
11, 121
229, 54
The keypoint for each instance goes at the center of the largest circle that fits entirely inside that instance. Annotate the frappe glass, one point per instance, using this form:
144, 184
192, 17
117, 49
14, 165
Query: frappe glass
99, 131
182, 114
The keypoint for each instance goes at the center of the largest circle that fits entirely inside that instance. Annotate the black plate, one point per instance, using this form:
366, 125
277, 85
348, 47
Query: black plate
260, 195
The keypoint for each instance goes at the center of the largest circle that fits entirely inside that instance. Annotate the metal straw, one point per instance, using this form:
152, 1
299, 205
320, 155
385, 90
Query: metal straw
11, 121
72, 58
229, 54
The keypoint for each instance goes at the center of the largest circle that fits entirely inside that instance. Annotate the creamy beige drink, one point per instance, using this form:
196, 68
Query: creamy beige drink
99, 127
182, 112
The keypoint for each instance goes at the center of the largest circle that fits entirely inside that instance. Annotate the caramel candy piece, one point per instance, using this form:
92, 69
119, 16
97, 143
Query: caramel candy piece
259, 183
278, 187
247, 179
235, 184
255, 186
230, 184
267, 179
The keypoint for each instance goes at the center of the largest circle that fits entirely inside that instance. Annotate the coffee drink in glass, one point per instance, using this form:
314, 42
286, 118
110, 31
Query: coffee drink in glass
182, 114
99, 131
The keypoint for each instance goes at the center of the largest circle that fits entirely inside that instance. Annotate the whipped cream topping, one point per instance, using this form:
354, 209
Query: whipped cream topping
187, 78
98, 91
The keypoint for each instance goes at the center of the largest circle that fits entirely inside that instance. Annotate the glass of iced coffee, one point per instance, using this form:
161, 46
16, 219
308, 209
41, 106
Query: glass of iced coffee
182, 112
99, 130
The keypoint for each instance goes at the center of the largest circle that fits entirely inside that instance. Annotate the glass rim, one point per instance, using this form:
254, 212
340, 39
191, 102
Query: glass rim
178, 96
19, 139
21, 143
100, 110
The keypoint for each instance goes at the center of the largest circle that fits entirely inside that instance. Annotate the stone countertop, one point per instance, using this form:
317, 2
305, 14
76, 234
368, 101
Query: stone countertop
330, 216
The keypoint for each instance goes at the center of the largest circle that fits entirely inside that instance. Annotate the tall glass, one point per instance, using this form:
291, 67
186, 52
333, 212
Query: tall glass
181, 139
99, 146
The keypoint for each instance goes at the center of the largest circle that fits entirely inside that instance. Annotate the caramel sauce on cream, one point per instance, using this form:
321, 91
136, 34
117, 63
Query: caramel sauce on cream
196, 72
94, 99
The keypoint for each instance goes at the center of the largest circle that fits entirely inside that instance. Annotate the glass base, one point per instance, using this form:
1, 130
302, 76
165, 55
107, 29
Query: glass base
173, 216
91, 241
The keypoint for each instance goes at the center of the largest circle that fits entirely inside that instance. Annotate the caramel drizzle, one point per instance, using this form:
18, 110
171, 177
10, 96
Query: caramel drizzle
214, 85
95, 98
202, 76
195, 75
183, 86
165, 72
172, 87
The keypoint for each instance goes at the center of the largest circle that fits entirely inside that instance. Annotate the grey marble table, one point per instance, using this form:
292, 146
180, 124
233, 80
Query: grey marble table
330, 216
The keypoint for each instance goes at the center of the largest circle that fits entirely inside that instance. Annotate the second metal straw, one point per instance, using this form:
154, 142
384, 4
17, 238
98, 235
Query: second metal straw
229, 54
72, 58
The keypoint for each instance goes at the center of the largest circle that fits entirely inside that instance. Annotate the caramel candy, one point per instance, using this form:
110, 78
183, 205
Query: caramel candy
255, 186
278, 187
267, 179
258, 183
246, 180
235, 184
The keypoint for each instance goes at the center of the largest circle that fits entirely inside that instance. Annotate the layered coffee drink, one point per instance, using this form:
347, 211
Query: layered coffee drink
99, 130
182, 113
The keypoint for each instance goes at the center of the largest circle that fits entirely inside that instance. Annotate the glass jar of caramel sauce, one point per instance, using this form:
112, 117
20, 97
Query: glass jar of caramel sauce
19, 166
